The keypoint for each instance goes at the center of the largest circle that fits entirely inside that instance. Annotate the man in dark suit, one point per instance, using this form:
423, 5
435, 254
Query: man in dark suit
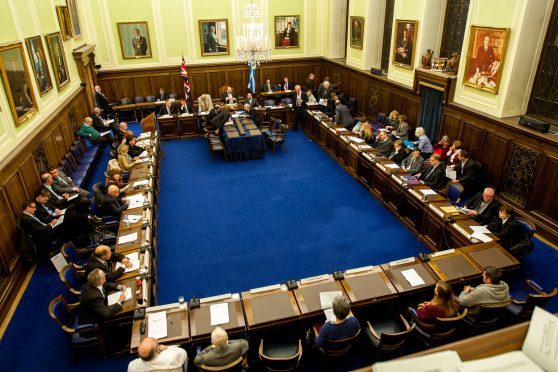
433, 175
139, 43
325, 90
219, 119
221, 351
251, 100
343, 116
167, 109
482, 207
469, 174
506, 228
45, 210
162, 96
64, 185
184, 108
252, 113
309, 83
102, 102
112, 204
399, 152
58, 200
103, 259
98, 121
413, 163
383, 144
299, 105
228, 96
93, 305
267, 86
286, 84
41, 233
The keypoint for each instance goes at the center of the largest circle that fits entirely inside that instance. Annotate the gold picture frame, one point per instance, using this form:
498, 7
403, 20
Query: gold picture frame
404, 38
17, 82
214, 37
38, 59
287, 32
58, 59
65, 22
485, 57
74, 17
357, 32
134, 40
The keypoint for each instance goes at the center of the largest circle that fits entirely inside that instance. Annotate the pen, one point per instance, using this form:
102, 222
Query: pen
169, 319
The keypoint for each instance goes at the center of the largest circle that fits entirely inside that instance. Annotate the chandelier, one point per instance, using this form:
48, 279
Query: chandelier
253, 46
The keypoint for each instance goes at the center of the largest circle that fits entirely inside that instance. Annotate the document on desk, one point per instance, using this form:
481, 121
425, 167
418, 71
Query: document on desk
73, 197
427, 192
219, 314
326, 298
59, 221
480, 236
445, 361
356, 139
144, 154
392, 166
123, 239
112, 298
157, 325
135, 205
514, 361
140, 183
481, 229
451, 174
133, 218
449, 209
330, 315
412, 277
541, 343
134, 260
135, 198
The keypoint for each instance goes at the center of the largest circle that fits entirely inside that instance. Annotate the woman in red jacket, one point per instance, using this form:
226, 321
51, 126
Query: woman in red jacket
444, 304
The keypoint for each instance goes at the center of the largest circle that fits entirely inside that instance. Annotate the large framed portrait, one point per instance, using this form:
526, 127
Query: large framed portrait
134, 40
287, 31
58, 59
17, 82
405, 34
73, 10
357, 32
214, 37
39, 63
65, 22
485, 57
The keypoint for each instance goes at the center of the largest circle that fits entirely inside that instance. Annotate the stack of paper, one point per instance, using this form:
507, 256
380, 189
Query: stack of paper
112, 298
134, 260
123, 239
412, 277
480, 236
133, 218
157, 325
219, 314
326, 299
140, 183
427, 192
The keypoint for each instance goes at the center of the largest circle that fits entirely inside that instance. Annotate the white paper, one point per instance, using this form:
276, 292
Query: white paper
356, 139
143, 154
480, 236
514, 361
541, 342
463, 210
330, 315
109, 121
140, 183
104, 133
134, 260
481, 229
63, 211
185, 114
326, 299
128, 238
392, 166
427, 192
157, 325
451, 174
133, 218
112, 298
135, 198
59, 221
219, 314
135, 205
412, 277
73, 197
59, 261
444, 361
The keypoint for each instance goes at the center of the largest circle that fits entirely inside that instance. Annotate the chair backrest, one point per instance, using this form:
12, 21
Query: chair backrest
70, 253
173, 96
269, 102
139, 99
381, 118
454, 192
395, 341
526, 227
59, 311
66, 166
125, 101
235, 365
289, 362
287, 101
76, 151
489, 314
150, 98
98, 193
351, 106
68, 276
337, 348
539, 299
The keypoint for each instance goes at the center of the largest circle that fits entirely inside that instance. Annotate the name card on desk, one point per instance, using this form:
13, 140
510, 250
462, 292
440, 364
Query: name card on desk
441, 253
359, 270
402, 261
265, 289
216, 298
314, 279
185, 115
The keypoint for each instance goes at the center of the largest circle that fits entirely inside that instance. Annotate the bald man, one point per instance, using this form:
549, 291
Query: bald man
222, 351
482, 207
112, 204
103, 259
156, 357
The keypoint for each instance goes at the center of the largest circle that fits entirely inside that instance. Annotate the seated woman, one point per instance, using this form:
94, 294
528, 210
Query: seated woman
392, 120
358, 126
452, 153
506, 228
401, 131
442, 149
444, 304
125, 160
115, 178
366, 132
133, 149
311, 98
399, 152
423, 143
344, 326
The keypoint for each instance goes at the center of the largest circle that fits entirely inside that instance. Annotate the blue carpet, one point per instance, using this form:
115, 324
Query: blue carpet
227, 227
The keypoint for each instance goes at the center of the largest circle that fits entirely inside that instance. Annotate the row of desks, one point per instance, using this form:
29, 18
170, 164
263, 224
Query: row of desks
423, 214
276, 305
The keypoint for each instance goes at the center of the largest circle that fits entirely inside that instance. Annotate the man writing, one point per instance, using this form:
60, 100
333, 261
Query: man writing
103, 259
482, 207
93, 306
166, 109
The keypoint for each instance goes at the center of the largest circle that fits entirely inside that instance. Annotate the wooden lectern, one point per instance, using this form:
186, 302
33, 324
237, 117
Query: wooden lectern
148, 123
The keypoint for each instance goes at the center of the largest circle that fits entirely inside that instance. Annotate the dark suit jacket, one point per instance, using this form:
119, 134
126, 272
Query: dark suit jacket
435, 179
509, 233
324, 93
161, 97
163, 111
398, 157
343, 117
266, 88
58, 203
225, 95
98, 123
102, 102
94, 263
113, 206
303, 97
489, 214
253, 102
33, 227
135, 150
220, 119
42, 214
77, 227
470, 176
60, 187
181, 110
385, 147
217, 358
290, 86
309, 84
93, 306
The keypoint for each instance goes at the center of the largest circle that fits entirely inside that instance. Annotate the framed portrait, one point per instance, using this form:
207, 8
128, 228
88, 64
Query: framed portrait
287, 31
39, 63
65, 22
73, 10
134, 40
214, 37
405, 34
485, 57
357, 32
17, 82
58, 59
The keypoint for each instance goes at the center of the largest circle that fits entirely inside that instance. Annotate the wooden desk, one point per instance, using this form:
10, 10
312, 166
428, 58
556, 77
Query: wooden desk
402, 285
460, 231
136, 244
131, 274
188, 125
454, 267
168, 127
177, 329
368, 286
137, 212
491, 254
270, 308
139, 172
132, 304
308, 295
200, 319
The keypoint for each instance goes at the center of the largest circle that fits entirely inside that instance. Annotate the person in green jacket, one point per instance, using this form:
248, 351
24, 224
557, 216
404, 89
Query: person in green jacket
92, 135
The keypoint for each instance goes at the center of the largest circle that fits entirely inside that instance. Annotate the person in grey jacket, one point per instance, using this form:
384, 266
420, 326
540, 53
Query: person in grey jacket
413, 163
221, 351
492, 291
343, 115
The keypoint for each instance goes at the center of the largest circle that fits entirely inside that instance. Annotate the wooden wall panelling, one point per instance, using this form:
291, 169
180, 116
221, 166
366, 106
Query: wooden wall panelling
51, 150
8, 234
493, 157
274, 74
67, 131
238, 79
15, 190
178, 85
361, 96
108, 89
124, 88
216, 80
30, 177
543, 199
384, 101
450, 126
199, 84
60, 143
142, 86
161, 80
412, 111
472, 139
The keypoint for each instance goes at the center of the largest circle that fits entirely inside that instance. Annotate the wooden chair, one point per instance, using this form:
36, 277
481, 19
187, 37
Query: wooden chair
70, 277
441, 329
278, 138
72, 256
487, 318
215, 144
521, 310
236, 365
336, 348
455, 190
280, 356
389, 336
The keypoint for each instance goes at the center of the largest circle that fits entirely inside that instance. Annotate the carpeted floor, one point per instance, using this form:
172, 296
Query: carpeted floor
228, 227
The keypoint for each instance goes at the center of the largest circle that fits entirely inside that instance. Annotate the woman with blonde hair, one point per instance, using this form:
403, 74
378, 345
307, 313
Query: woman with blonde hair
124, 160
205, 103
393, 120
444, 304
366, 132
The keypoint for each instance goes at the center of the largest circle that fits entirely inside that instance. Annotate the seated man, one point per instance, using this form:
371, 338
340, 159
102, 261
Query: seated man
46, 211
251, 100
222, 351
99, 123
120, 131
399, 152
492, 291
93, 306
184, 108
167, 109
92, 135
58, 200
433, 175
103, 259
228, 97
41, 233
413, 163
156, 357
252, 113
344, 326
343, 116
468, 174
286, 85
63, 184
112, 204
383, 144
482, 207
162, 95
506, 228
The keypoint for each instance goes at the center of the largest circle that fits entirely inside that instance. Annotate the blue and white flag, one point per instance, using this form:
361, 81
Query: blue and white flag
252, 79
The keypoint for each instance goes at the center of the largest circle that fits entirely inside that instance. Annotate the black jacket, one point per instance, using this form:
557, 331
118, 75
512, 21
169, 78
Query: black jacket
98, 123
304, 99
163, 110
470, 176
509, 233
182, 110
489, 214
42, 214
435, 179
113, 206
76, 226
102, 102
398, 157
111, 276
93, 306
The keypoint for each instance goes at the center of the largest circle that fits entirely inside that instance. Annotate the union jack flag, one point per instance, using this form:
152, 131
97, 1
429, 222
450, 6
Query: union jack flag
184, 74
